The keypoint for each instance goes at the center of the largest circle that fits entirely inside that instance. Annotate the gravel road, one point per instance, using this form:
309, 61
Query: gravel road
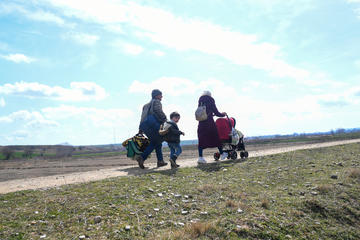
88, 176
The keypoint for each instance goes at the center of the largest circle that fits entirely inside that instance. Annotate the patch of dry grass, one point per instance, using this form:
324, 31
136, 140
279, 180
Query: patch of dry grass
354, 173
325, 188
191, 231
231, 204
207, 188
199, 229
265, 203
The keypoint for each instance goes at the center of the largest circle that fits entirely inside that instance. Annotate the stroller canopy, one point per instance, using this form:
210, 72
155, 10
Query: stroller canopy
224, 128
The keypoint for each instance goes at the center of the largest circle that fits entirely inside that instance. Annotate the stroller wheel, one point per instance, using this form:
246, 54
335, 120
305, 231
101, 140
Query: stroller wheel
242, 154
246, 154
216, 156
233, 155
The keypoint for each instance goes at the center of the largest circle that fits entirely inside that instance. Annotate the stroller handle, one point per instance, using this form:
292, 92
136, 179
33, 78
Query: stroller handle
229, 121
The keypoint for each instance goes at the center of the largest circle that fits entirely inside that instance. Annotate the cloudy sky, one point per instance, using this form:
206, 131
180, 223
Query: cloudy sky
80, 71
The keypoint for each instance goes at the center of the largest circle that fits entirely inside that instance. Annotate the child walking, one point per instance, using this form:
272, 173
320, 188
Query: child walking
173, 138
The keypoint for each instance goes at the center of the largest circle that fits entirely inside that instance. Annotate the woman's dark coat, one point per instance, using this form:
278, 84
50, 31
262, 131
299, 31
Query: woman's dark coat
207, 132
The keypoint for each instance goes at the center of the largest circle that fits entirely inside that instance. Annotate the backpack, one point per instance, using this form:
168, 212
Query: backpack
200, 113
147, 110
164, 128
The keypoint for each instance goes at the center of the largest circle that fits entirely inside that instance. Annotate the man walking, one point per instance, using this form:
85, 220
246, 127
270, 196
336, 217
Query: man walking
151, 118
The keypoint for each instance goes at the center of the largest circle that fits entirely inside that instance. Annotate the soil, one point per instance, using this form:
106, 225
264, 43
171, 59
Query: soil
17, 175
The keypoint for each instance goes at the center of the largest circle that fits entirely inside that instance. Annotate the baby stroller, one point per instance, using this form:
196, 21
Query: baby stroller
231, 139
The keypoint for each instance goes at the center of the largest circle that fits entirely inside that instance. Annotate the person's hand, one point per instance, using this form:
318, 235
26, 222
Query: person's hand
182, 133
224, 113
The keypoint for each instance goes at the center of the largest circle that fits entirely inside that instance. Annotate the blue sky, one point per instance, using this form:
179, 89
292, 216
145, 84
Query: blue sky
80, 71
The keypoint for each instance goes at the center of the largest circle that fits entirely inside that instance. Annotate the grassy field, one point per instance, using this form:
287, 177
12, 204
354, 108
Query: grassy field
306, 138
309, 194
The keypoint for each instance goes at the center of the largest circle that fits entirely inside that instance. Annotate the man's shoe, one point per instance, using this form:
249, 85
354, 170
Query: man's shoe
173, 163
201, 160
161, 164
140, 161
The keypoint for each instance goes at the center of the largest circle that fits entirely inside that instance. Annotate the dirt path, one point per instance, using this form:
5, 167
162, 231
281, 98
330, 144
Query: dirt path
82, 177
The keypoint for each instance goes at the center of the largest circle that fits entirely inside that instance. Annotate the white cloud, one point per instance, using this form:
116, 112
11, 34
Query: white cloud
45, 17
159, 53
356, 10
18, 58
164, 28
37, 15
128, 48
115, 28
56, 124
97, 117
175, 86
31, 119
78, 91
82, 38
2, 102
18, 135
133, 49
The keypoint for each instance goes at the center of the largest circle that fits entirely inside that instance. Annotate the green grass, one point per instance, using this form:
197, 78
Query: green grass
103, 154
285, 196
15, 155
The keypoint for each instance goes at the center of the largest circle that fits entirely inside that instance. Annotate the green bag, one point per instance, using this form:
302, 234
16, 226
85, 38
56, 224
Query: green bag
132, 150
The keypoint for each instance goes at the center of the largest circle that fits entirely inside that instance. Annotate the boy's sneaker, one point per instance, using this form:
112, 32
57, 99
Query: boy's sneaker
161, 164
140, 161
224, 155
201, 160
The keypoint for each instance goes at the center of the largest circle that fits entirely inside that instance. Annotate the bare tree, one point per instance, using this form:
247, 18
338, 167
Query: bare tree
28, 153
7, 152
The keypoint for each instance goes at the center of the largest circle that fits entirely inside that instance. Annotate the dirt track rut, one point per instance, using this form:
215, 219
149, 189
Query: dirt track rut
82, 177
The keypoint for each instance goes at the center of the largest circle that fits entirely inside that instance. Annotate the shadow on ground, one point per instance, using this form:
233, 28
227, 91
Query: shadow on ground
136, 171
208, 167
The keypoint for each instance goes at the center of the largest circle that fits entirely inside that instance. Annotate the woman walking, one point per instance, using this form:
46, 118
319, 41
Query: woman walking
207, 132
